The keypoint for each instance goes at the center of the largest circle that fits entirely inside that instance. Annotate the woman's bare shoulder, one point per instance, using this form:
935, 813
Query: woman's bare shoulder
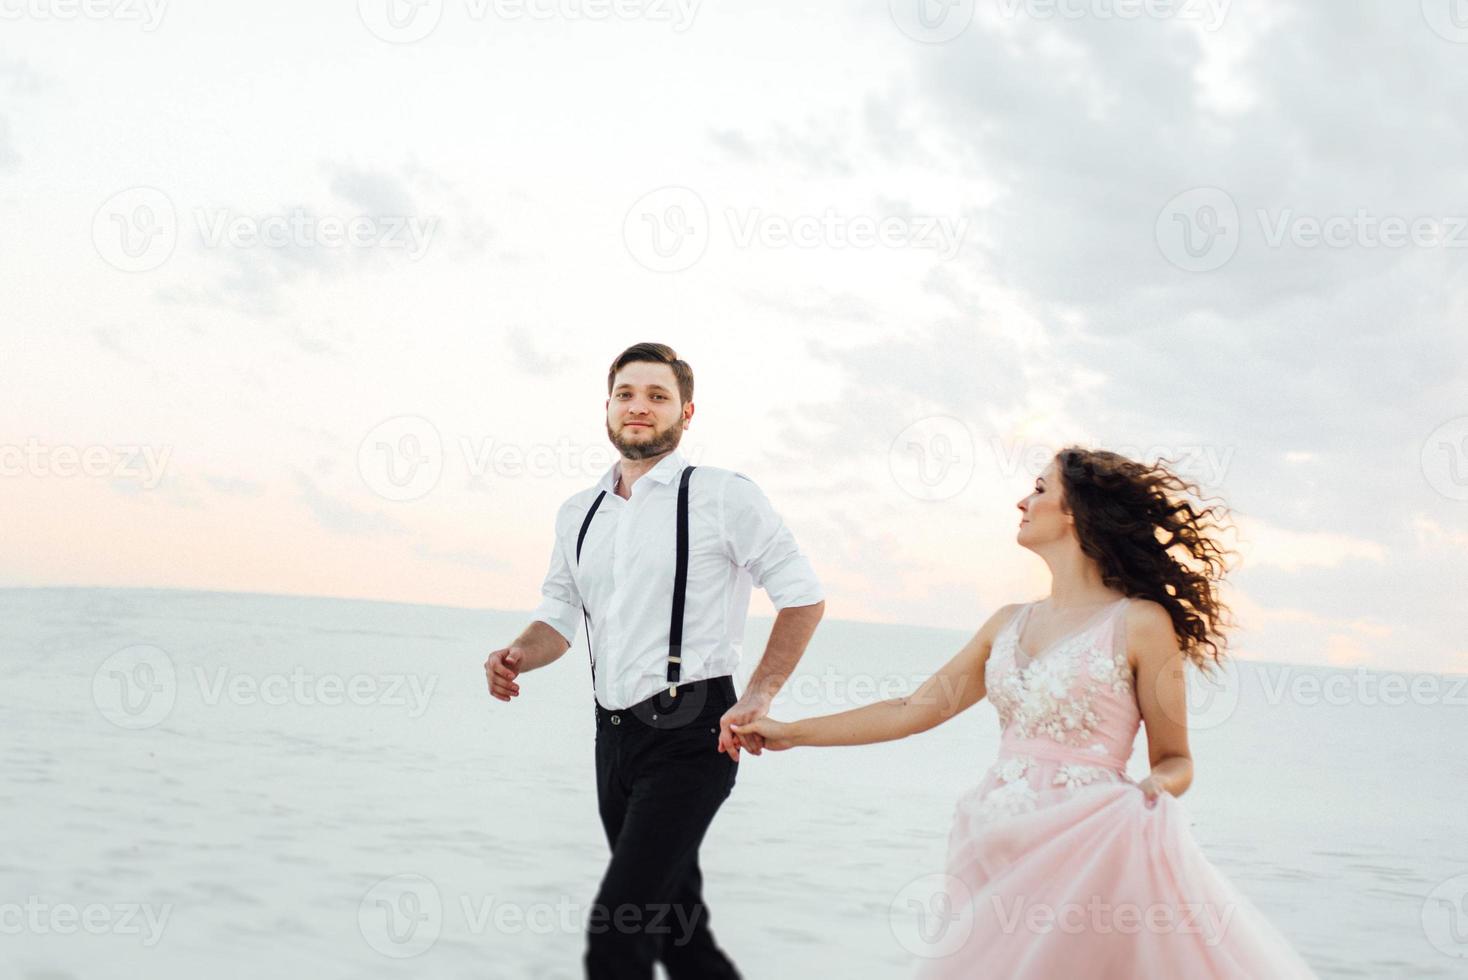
1146, 616
998, 618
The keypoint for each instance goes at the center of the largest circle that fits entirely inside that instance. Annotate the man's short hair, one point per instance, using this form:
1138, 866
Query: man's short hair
655, 354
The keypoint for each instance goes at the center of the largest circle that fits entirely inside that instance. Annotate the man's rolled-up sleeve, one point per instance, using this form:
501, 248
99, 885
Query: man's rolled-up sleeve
560, 601
756, 539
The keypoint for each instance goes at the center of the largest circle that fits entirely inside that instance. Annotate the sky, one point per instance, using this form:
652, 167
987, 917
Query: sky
320, 299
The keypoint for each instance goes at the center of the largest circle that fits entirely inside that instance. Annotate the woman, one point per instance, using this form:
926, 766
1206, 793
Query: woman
1058, 864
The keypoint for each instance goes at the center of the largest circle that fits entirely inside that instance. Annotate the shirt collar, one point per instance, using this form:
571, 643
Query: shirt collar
668, 467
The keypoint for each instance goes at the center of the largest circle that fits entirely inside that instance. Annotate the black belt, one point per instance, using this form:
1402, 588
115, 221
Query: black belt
680, 589
695, 700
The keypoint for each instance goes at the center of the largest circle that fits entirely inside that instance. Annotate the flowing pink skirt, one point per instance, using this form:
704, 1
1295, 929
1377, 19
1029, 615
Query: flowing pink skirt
1093, 883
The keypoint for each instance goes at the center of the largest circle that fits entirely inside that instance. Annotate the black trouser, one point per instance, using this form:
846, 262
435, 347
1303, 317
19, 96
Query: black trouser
659, 781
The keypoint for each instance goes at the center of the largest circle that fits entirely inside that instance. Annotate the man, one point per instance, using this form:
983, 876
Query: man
658, 559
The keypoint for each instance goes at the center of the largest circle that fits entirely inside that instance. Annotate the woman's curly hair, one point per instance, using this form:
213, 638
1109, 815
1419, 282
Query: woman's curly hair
1153, 538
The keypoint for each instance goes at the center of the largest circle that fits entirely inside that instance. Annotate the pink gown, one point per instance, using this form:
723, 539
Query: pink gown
1056, 868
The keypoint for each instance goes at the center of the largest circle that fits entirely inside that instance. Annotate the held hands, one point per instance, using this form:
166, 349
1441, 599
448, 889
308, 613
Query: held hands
500, 670
767, 733
746, 711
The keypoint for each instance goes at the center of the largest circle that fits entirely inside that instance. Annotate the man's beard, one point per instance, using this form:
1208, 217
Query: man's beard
660, 443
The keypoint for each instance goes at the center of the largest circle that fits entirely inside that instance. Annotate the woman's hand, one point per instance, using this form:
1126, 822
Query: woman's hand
776, 735
1151, 789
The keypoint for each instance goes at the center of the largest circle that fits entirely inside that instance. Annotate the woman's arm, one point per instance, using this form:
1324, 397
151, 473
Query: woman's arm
953, 689
1162, 696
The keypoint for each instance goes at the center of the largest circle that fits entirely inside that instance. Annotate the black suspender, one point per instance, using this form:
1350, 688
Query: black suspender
585, 616
680, 586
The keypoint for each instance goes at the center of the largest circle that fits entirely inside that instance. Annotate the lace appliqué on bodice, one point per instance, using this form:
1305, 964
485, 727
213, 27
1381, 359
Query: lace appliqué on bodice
1013, 793
1052, 696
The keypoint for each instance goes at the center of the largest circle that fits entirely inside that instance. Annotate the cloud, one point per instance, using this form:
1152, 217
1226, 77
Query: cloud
821, 144
530, 359
372, 191
337, 515
1266, 546
367, 220
9, 156
1431, 535
235, 486
1314, 374
16, 78
321, 339
110, 339
458, 556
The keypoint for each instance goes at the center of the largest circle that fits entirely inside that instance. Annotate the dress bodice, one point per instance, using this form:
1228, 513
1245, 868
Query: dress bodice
1069, 714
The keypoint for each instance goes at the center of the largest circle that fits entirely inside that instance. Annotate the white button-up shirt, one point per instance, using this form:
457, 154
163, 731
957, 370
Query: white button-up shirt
625, 576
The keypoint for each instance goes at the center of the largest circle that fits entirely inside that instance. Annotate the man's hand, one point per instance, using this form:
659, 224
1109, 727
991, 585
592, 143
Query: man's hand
501, 669
748, 709
774, 735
